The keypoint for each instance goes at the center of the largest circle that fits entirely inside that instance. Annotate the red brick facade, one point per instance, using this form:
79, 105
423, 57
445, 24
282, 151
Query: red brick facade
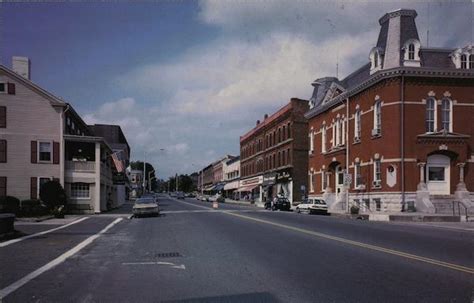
275, 153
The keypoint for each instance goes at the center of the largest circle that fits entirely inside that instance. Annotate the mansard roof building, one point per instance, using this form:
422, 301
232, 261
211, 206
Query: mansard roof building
398, 132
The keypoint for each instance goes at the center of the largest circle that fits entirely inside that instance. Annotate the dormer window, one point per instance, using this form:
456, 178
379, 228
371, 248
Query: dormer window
411, 51
463, 61
471, 61
375, 57
411, 56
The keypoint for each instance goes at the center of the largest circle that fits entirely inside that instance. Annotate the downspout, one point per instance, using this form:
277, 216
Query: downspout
402, 134
347, 153
62, 156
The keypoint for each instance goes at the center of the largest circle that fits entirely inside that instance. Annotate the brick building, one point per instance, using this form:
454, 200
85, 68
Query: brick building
398, 129
274, 155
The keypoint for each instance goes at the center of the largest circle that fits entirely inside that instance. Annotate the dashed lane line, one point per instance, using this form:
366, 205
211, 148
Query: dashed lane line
6, 243
360, 244
13, 287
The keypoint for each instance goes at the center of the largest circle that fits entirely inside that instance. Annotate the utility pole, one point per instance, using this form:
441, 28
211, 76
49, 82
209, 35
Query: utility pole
144, 175
176, 181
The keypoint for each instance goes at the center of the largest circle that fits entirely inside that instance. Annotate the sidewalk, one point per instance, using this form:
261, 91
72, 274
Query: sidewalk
230, 201
402, 217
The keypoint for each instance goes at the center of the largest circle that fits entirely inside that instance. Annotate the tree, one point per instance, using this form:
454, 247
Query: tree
54, 197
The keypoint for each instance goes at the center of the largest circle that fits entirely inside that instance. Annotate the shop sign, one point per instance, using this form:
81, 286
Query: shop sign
269, 179
283, 176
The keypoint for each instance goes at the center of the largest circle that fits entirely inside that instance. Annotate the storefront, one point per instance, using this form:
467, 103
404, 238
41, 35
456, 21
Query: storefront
268, 186
250, 189
284, 184
230, 190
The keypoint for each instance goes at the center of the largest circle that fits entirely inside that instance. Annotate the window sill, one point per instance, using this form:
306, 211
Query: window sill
376, 137
356, 141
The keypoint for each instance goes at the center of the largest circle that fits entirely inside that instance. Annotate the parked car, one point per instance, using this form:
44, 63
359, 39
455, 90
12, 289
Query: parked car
217, 197
312, 206
190, 195
280, 204
146, 206
180, 195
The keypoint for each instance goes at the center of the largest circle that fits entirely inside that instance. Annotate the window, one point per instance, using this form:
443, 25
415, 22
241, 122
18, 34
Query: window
338, 132
284, 133
3, 151
288, 130
311, 187
41, 182
283, 157
357, 125
357, 175
45, 151
376, 59
411, 51
471, 61
446, 115
463, 61
288, 157
377, 117
311, 142
324, 181
333, 143
377, 171
430, 115
435, 173
323, 139
80, 190
3, 88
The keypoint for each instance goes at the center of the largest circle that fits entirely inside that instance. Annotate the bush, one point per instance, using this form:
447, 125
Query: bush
9, 204
33, 208
53, 195
354, 209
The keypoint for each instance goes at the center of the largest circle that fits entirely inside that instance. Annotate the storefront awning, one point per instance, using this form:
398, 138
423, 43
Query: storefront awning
247, 188
208, 188
219, 187
231, 185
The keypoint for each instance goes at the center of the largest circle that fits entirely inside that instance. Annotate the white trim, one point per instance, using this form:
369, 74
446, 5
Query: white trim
38, 151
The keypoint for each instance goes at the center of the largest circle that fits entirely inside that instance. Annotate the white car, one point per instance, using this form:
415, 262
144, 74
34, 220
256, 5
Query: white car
146, 206
313, 205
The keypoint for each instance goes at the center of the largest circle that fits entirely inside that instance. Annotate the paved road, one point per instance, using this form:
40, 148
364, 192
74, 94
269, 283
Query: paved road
242, 254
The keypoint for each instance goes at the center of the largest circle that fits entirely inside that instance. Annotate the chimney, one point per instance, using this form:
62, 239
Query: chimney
21, 66
265, 117
258, 122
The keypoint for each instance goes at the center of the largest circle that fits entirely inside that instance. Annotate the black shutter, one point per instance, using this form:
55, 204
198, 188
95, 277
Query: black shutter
55, 152
3, 151
11, 88
34, 152
3, 186
3, 116
34, 188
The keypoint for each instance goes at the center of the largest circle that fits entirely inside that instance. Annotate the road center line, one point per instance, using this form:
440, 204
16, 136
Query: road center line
12, 287
3, 244
361, 244
209, 208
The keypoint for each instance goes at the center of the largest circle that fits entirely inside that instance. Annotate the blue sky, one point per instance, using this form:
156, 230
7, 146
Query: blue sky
192, 76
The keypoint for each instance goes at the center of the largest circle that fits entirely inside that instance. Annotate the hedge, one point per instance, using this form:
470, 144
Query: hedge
9, 204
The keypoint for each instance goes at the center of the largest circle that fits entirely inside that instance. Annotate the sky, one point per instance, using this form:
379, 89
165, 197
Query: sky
185, 79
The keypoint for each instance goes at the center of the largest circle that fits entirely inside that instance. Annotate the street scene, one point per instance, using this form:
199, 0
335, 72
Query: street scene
239, 253
236, 151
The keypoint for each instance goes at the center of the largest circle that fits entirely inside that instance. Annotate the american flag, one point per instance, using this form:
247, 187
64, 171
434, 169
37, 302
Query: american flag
118, 163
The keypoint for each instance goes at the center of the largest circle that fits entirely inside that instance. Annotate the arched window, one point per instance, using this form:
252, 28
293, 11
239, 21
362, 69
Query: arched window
357, 125
378, 117
471, 61
430, 119
411, 51
446, 123
463, 61
376, 59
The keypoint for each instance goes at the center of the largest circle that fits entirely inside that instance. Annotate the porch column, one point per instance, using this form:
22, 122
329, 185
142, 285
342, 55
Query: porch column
96, 202
461, 172
422, 184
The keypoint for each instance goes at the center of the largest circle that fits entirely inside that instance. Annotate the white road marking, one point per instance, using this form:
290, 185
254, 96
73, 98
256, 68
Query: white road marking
3, 244
177, 200
172, 265
12, 287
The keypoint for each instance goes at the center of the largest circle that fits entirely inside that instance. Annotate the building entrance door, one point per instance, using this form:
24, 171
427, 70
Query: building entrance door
438, 174
339, 182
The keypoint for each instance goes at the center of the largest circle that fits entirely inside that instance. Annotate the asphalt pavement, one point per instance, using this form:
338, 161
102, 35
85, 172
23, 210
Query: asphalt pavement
238, 253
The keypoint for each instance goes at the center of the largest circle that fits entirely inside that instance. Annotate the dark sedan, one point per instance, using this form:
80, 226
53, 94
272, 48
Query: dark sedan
279, 204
